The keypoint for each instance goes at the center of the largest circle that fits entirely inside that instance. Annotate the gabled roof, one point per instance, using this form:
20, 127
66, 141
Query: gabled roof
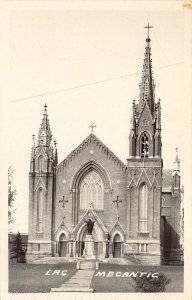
93, 139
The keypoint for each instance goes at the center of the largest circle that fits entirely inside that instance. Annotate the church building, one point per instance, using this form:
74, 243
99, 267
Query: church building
135, 206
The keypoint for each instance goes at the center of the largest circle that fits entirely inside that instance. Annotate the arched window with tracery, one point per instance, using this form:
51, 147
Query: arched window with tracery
143, 199
91, 191
144, 146
40, 210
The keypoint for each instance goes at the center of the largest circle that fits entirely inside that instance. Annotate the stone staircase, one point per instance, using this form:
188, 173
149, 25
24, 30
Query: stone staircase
87, 265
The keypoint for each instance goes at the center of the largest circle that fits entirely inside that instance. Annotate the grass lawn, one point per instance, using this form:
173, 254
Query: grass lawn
31, 278
126, 284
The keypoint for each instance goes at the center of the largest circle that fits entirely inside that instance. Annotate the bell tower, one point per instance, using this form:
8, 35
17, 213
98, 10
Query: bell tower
145, 167
41, 191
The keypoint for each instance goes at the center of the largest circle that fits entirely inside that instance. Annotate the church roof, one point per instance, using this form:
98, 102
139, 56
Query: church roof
167, 182
92, 138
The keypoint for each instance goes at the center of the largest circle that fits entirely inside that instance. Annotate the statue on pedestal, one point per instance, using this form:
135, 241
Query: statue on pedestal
90, 225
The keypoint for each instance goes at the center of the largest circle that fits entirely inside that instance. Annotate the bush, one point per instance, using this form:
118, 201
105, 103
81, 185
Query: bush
146, 284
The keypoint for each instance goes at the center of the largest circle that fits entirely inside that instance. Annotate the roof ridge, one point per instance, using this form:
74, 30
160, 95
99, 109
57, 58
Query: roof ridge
91, 135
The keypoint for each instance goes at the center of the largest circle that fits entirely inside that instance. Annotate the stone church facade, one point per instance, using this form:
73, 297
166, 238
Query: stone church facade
135, 206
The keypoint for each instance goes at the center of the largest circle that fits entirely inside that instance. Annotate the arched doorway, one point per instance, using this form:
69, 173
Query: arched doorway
117, 244
62, 245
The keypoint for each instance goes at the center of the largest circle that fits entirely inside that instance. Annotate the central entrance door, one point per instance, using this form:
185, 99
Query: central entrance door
117, 246
62, 245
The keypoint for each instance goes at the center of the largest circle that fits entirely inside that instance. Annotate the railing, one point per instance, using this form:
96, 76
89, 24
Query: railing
133, 258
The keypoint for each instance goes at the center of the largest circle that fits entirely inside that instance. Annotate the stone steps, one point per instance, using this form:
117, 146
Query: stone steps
87, 265
119, 261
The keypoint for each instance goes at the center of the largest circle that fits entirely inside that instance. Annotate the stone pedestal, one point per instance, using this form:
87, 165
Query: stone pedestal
89, 252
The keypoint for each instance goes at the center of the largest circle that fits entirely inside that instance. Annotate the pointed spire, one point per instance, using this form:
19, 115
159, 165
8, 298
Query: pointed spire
147, 86
44, 136
177, 162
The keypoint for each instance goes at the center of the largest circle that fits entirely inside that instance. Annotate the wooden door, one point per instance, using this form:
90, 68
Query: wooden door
63, 248
117, 249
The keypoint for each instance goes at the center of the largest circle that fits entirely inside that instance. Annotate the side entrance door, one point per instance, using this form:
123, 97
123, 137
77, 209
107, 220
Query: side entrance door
63, 248
117, 246
117, 249
62, 245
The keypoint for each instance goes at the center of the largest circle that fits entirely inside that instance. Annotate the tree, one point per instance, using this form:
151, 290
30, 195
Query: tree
11, 196
147, 284
17, 250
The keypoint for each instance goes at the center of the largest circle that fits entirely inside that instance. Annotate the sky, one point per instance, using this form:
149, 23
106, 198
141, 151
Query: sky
86, 65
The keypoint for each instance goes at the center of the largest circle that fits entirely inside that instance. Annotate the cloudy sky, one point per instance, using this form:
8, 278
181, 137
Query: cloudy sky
86, 65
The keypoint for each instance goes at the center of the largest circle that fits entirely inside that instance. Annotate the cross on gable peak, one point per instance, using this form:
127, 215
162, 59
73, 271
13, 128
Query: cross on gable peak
92, 126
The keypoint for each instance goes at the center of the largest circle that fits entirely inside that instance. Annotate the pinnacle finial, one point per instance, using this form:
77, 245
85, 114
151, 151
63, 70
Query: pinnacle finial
177, 161
45, 108
33, 136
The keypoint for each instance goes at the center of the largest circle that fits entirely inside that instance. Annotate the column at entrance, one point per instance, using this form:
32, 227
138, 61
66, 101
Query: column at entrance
74, 248
110, 249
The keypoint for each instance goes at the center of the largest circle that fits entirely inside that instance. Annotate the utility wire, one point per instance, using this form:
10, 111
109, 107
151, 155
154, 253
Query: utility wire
89, 84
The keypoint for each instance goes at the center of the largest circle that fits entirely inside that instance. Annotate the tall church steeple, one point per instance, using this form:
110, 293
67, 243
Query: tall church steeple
145, 132
145, 163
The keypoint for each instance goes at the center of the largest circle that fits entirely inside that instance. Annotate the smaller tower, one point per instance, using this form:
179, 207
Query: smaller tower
41, 180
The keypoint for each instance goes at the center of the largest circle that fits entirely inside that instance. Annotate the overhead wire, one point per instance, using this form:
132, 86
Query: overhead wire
88, 84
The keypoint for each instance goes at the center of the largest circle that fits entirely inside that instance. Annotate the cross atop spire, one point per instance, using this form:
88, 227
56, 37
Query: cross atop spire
148, 27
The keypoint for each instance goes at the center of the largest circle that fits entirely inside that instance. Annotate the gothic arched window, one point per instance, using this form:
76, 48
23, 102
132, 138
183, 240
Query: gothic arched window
40, 210
143, 195
40, 163
91, 191
144, 146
